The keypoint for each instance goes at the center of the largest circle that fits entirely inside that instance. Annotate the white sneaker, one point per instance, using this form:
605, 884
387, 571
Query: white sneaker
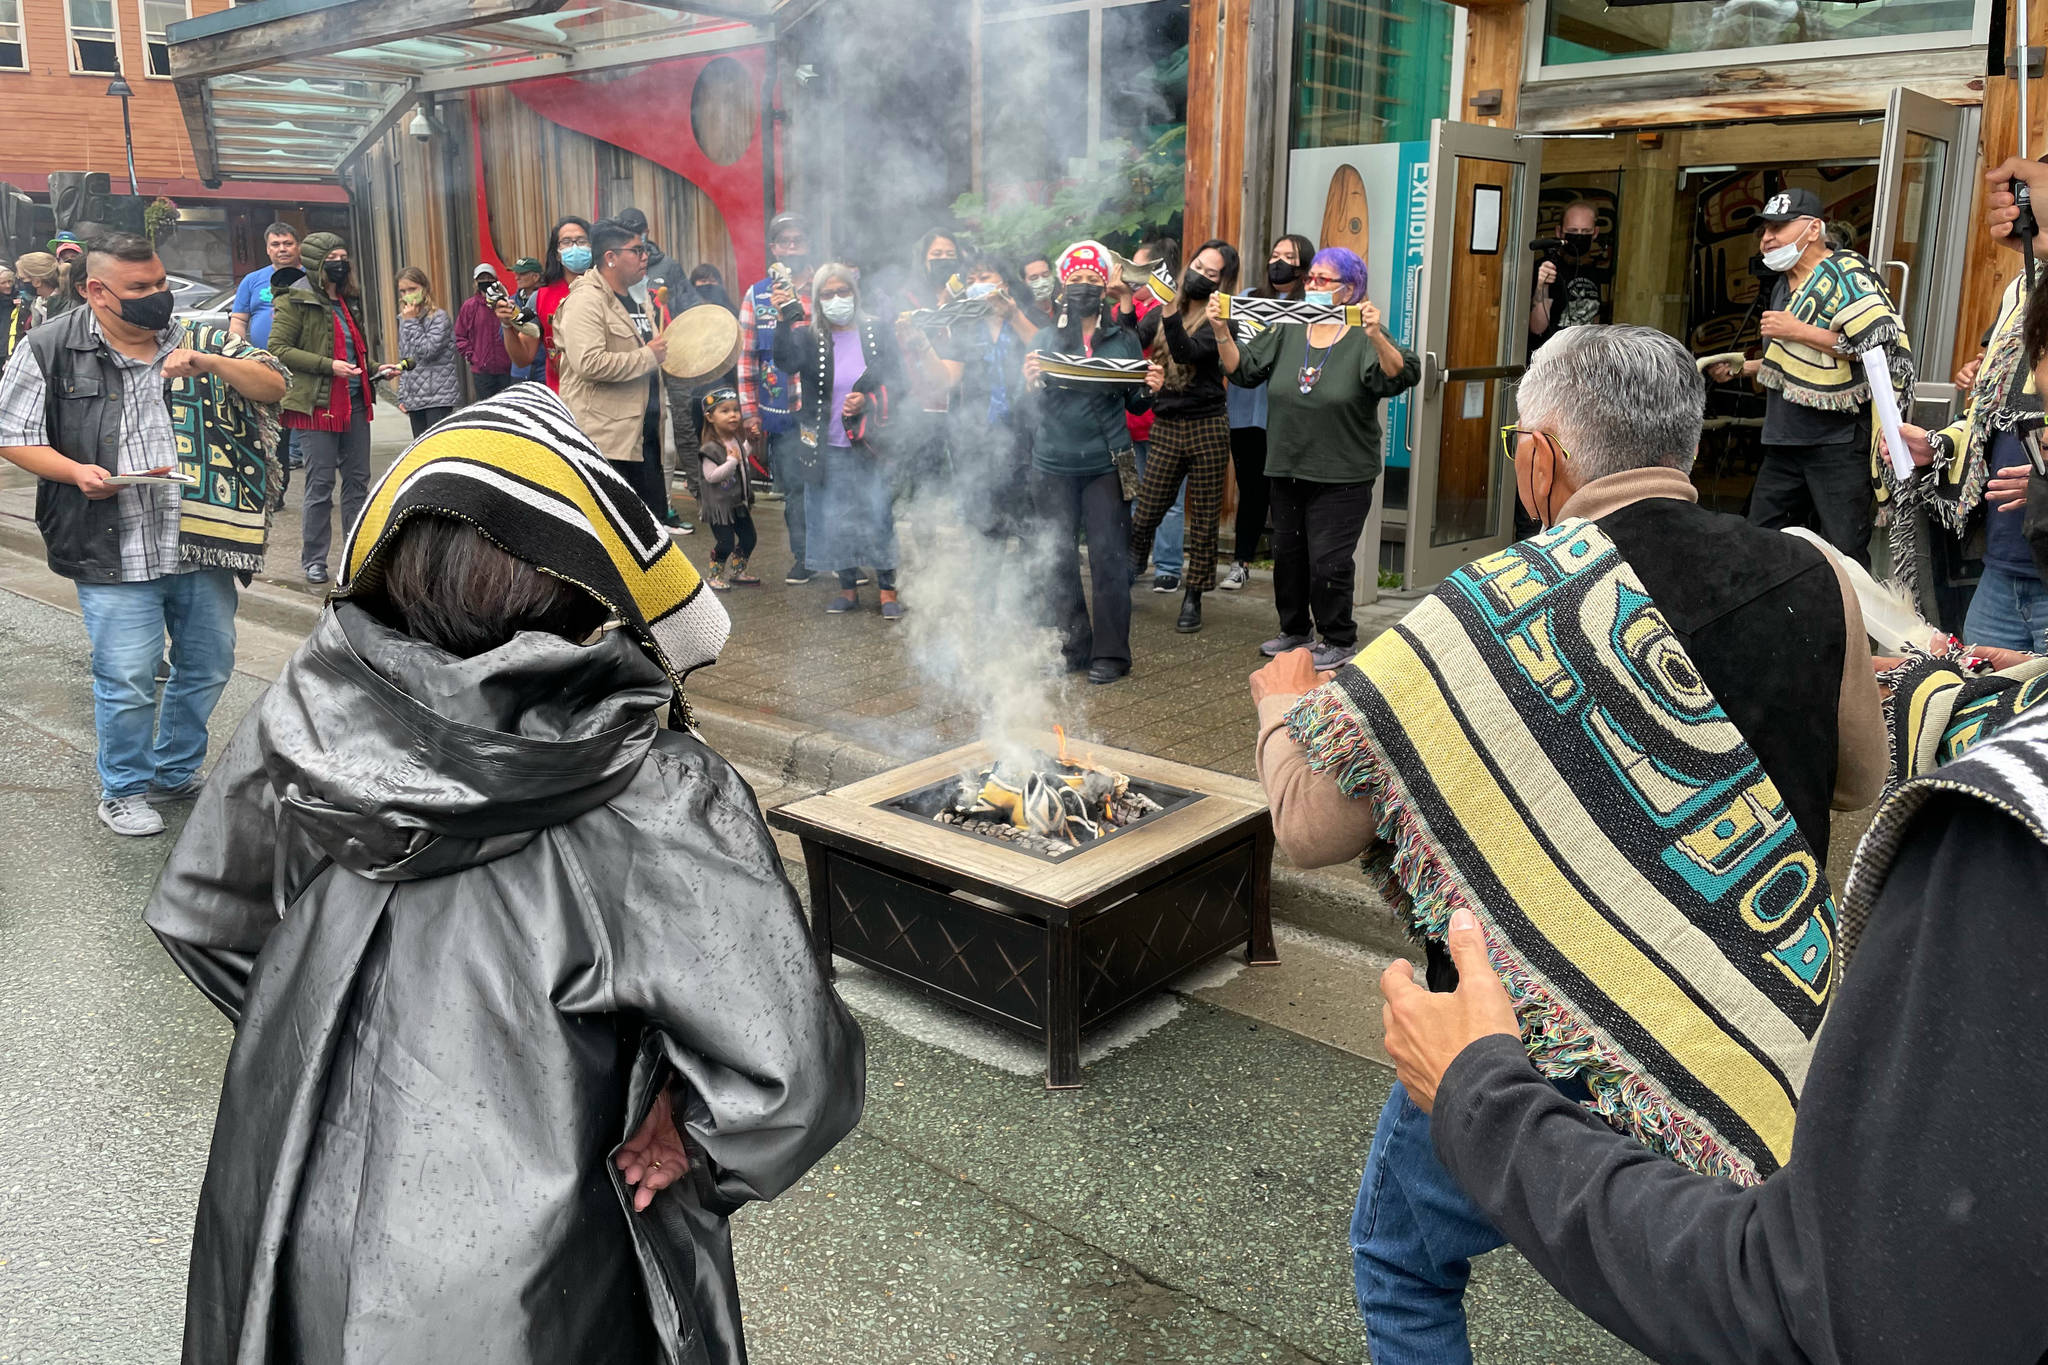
1235, 577
132, 816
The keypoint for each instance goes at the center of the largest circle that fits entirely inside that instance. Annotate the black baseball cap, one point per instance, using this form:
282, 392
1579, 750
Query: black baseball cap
1787, 204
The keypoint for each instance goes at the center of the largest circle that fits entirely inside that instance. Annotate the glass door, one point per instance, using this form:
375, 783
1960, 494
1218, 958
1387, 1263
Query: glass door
1473, 339
1921, 212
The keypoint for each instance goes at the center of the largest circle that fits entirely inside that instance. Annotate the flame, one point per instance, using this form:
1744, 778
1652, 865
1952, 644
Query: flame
1061, 732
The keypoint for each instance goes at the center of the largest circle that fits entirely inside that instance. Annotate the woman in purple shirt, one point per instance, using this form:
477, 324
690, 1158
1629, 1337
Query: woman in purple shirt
848, 362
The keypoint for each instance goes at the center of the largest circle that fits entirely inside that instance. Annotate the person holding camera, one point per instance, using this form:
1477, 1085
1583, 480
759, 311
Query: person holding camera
1568, 292
493, 334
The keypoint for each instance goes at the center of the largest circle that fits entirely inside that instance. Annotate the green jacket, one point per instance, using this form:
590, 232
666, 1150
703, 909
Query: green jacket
302, 336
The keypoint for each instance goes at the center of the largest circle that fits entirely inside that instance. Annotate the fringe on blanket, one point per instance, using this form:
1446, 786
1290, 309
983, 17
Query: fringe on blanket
1560, 1046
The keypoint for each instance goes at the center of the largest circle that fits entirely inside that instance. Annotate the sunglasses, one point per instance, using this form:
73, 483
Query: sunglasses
1511, 437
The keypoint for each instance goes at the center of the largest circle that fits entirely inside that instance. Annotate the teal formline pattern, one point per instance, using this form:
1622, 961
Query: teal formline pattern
1668, 845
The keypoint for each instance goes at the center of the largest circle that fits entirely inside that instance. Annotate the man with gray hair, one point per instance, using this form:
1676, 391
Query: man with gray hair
1615, 745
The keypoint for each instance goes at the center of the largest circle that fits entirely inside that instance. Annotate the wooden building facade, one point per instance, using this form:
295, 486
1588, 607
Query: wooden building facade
1676, 122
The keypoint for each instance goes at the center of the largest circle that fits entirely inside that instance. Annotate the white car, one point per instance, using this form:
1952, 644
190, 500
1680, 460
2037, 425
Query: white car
208, 309
188, 293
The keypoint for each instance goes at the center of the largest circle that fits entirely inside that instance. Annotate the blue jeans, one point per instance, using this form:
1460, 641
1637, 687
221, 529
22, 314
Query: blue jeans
1413, 1237
1167, 554
141, 746
2008, 612
786, 457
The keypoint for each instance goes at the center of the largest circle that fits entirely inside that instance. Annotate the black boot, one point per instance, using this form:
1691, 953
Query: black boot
1190, 613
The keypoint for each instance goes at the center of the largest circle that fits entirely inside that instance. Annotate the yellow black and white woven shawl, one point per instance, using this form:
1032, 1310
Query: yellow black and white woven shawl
1843, 294
517, 468
1538, 748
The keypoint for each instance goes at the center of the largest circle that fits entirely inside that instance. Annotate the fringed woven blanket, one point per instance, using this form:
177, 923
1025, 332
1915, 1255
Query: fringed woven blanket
1937, 711
1538, 748
228, 443
2001, 757
1843, 294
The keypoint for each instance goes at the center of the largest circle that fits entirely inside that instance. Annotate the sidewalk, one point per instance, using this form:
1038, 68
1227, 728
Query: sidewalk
826, 700
1185, 698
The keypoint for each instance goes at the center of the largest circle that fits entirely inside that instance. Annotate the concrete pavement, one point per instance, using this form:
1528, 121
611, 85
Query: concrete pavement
1188, 1205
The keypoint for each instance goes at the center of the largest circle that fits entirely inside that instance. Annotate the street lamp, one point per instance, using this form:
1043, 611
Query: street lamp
120, 88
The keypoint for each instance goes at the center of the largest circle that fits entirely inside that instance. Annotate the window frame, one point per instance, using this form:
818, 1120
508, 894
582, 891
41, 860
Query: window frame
21, 38
71, 42
1535, 71
142, 22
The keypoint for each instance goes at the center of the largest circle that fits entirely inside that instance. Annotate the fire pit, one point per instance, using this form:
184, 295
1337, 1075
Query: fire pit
981, 884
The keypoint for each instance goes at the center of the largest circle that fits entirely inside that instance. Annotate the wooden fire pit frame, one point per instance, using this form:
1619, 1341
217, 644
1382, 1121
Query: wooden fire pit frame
1043, 948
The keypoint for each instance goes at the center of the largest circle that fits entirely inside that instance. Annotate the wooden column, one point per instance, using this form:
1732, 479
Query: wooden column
1493, 60
1988, 268
1219, 43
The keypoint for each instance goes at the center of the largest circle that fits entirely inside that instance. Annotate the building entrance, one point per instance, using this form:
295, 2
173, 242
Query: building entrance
1677, 248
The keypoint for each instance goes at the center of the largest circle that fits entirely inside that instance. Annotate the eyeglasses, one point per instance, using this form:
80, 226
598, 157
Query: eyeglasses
640, 251
1321, 279
1511, 437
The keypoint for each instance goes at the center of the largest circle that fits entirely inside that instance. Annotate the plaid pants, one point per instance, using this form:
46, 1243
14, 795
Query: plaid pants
1198, 450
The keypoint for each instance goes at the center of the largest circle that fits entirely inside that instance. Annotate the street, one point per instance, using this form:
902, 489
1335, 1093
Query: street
1189, 1204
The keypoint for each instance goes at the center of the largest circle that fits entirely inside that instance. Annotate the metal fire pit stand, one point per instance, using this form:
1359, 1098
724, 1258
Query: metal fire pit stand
1045, 948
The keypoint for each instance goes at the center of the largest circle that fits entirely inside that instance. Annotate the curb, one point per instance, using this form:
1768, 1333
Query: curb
1336, 902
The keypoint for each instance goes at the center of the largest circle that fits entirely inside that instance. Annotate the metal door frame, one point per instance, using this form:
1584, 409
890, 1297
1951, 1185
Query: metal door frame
1424, 565
1933, 336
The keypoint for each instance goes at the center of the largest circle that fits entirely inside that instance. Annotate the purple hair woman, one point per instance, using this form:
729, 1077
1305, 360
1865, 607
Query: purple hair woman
1322, 447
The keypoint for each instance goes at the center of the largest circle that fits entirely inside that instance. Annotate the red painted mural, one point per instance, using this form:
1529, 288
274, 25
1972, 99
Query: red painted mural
646, 110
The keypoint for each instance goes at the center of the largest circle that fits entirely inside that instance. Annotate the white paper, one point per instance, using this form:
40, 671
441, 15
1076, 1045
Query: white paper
1485, 220
1887, 402
1474, 400
137, 480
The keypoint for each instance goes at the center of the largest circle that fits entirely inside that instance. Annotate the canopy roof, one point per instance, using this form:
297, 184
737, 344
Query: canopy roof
294, 89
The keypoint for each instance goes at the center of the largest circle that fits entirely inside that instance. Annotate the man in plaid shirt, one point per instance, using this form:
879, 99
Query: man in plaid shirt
82, 403
768, 397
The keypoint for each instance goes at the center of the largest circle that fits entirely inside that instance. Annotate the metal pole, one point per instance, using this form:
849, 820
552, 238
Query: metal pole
128, 129
2026, 38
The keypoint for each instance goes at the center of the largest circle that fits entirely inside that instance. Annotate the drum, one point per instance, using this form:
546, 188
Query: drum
703, 343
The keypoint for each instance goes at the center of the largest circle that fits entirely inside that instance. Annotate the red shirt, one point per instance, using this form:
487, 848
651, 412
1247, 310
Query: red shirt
545, 302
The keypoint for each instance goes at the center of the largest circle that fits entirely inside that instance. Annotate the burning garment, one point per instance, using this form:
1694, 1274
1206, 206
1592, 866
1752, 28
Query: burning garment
1051, 803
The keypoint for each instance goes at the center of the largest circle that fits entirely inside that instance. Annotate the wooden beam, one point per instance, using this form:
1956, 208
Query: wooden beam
335, 27
1988, 267
205, 156
1205, 116
1805, 89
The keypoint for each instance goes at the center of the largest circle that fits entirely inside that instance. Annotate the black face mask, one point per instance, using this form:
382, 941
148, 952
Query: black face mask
1083, 300
941, 268
1280, 274
1196, 285
798, 263
337, 271
151, 312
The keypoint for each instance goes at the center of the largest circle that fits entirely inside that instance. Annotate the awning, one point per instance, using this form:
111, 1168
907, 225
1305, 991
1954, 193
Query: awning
294, 89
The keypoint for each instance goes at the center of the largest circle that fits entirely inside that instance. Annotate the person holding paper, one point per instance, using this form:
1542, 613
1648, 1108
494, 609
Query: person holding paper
1827, 308
153, 558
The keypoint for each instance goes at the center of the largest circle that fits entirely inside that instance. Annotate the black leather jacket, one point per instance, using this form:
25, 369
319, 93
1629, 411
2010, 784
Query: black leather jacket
468, 915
